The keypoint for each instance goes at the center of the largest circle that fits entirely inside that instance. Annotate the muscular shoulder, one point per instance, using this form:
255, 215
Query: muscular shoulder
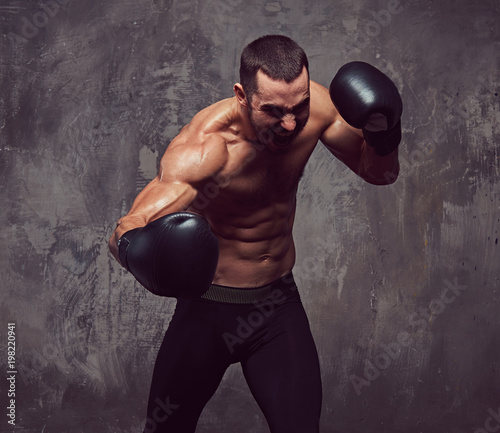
339, 137
199, 151
322, 109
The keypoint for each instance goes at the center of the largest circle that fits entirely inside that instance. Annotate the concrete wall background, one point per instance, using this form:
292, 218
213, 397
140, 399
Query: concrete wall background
401, 283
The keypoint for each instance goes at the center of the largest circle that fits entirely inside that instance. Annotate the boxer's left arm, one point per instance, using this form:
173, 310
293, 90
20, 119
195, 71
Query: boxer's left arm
348, 144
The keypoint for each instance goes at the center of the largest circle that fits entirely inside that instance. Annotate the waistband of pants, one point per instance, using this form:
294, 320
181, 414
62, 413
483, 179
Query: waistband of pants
236, 295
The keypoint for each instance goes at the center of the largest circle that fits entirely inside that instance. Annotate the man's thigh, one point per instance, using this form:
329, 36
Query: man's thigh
283, 372
187, 372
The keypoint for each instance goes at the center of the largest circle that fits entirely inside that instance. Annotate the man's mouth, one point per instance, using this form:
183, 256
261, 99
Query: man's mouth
284, 139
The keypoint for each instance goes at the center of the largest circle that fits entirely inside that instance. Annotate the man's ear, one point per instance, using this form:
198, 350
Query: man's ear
240, 95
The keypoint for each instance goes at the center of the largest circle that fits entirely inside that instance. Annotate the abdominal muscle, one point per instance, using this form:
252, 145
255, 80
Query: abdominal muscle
254, 249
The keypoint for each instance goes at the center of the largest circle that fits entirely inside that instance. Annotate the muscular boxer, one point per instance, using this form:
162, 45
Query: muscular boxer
224, 204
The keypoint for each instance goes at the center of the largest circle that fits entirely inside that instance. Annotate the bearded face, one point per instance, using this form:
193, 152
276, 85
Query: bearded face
279, 111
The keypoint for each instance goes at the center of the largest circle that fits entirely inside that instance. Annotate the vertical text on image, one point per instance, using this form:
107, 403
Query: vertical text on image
11, 373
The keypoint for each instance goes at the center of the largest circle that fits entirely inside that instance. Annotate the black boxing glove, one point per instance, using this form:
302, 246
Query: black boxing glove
175, 255
367, 99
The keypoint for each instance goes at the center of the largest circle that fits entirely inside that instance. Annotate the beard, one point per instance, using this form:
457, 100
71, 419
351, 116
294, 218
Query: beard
283, 138
276, 134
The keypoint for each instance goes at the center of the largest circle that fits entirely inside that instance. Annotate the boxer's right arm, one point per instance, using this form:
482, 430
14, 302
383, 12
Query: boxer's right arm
190, 159
160, 197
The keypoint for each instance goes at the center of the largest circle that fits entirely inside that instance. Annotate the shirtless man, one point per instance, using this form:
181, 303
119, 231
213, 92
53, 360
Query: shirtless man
222, 210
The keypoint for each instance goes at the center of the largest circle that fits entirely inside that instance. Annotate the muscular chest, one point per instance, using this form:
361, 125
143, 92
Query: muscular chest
260, 179
262, 185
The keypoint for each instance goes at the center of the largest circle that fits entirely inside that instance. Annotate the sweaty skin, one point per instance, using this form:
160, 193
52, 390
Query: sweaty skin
238, 164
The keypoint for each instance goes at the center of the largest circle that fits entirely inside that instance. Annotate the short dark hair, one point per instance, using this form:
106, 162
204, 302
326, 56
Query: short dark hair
279, 57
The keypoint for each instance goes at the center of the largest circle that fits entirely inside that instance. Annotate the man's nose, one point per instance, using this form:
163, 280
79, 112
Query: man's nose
288, 122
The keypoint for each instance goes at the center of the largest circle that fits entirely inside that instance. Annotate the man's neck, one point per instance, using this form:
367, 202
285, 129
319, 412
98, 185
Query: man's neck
247, 131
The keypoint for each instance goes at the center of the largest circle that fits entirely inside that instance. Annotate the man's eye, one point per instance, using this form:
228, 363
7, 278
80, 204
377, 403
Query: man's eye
301, 108
273, 112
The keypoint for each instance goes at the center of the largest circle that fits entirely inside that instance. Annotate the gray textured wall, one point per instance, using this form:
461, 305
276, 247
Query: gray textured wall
401, 283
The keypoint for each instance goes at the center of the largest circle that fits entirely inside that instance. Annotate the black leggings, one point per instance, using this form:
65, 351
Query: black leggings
272, 341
